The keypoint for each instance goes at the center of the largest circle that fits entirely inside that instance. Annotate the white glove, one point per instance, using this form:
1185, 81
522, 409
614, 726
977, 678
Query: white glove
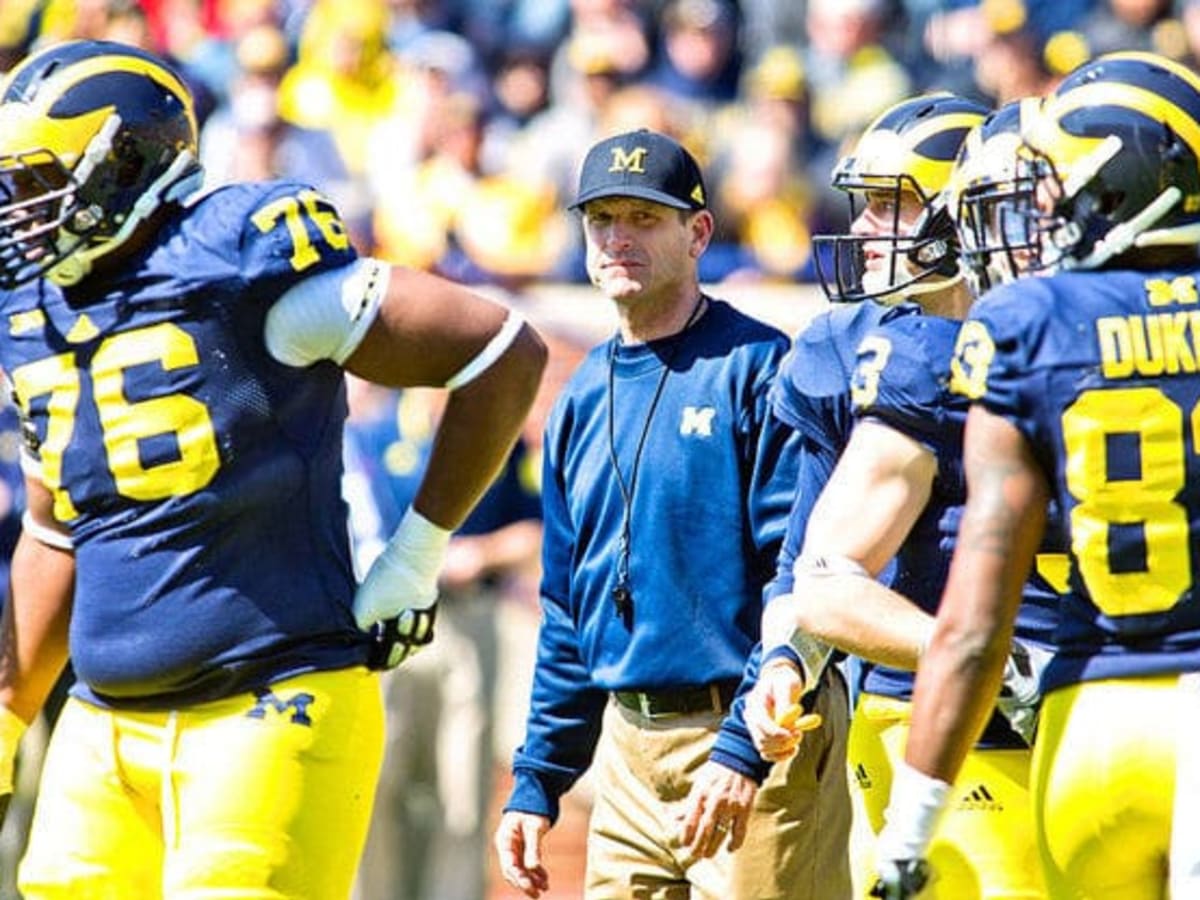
912, 815
1020, 698
397, 600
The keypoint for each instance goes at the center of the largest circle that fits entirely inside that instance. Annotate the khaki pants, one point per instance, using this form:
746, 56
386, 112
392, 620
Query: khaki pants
797, 843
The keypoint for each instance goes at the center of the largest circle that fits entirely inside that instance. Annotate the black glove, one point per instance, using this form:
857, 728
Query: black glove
395, 640
900, 879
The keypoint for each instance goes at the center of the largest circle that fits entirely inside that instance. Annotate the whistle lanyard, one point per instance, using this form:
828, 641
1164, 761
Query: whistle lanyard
622, 593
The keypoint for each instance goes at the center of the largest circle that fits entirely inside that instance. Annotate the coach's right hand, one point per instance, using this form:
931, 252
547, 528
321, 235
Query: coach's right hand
12, 728
519, 846
773, 713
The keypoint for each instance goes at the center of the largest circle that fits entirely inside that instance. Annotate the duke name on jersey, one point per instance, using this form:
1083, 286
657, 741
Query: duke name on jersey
141, 387
1126, 433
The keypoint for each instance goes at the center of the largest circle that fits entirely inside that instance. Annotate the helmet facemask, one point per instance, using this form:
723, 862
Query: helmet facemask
919, 256
999, 227
96, 138
36, 200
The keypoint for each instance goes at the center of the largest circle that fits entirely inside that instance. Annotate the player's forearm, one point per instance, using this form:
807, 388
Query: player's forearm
957, 681
478, 429
862, 617
33, 630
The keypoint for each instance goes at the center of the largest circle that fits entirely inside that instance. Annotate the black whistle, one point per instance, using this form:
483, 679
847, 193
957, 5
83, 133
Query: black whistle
623, 599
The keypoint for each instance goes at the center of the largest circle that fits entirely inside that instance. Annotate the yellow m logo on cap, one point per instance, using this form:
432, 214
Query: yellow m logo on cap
633, 161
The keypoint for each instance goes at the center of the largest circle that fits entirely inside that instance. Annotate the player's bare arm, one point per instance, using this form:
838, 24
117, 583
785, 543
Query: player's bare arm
877, 491
404, 328
33, 633
1001, 528
33, 645
33, 626
427, 331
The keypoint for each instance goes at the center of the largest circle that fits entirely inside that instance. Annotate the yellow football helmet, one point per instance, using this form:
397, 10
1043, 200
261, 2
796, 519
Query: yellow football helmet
909, 148
1115, 152
985, 195
94, 138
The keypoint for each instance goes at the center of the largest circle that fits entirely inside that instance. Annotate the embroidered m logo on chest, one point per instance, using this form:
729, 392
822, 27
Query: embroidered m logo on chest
697, 421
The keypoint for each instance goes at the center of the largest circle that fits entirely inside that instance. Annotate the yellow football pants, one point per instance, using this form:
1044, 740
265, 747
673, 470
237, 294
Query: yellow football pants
985, 847
255, 796
1117, 781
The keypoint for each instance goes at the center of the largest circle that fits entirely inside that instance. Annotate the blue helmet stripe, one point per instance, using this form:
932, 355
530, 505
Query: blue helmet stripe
25, 79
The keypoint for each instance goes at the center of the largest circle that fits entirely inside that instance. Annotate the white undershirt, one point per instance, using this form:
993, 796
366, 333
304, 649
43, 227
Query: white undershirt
326, 315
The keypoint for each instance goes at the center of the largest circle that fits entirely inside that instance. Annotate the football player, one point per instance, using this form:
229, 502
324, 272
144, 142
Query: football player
178, 360
1085, 386
895, 495
995, 243
811, 393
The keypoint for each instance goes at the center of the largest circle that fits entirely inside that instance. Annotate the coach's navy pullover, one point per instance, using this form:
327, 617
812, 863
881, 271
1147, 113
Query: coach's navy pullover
709, 508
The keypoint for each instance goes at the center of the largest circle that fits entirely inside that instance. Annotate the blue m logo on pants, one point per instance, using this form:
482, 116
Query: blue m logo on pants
298, 704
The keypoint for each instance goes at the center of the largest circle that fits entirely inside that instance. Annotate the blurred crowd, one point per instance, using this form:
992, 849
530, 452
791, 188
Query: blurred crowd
449, 131
449, 134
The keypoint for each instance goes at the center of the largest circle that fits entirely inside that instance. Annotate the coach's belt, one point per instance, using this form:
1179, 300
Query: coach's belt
664, 704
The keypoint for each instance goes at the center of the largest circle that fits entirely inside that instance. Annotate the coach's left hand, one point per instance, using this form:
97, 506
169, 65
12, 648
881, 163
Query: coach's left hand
716, 812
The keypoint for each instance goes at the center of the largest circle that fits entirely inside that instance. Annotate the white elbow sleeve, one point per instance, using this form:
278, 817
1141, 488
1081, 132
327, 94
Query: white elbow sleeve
48, 536
326, 315
494, 349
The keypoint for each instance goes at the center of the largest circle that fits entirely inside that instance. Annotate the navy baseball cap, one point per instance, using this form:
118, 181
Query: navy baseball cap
643, 164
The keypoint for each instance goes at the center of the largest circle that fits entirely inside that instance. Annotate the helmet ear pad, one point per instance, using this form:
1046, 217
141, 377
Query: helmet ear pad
153, 130
935, 242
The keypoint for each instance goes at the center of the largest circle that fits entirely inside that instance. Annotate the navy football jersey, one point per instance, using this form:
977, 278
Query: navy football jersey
811, 394
1100, 372
199, 477
811, 391
903, 380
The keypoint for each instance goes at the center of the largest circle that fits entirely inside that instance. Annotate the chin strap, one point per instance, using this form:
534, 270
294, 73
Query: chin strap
181, 178
1126, 235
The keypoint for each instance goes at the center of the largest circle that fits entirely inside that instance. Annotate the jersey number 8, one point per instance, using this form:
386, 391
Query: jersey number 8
1100, 431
